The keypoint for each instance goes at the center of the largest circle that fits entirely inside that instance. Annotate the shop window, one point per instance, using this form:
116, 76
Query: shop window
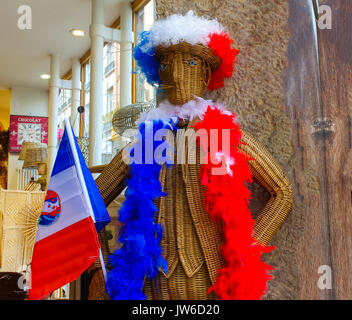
110, 51
144, 19
65, 97
111, 84
111, 89
86, 96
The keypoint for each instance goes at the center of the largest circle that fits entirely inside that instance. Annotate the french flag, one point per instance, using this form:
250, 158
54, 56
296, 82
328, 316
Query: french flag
67, 240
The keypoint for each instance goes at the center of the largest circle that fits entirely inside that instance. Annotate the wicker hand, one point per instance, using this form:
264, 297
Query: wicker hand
267, 172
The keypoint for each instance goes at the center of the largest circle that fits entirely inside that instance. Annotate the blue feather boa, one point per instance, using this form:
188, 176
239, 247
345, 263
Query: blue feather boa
140, 256
147, 64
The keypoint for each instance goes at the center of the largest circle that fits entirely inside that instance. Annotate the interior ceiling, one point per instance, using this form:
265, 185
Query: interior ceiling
24, 54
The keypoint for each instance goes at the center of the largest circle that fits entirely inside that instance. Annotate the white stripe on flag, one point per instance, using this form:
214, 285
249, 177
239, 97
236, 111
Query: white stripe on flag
73, 204
83, 184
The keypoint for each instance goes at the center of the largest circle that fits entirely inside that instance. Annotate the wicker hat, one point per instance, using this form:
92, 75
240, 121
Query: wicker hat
197, 49
197, 35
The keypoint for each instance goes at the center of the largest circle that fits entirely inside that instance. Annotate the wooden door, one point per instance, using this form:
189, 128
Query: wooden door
318, 101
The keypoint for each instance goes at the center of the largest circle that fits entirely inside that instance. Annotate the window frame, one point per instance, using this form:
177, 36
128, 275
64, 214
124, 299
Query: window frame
136, 6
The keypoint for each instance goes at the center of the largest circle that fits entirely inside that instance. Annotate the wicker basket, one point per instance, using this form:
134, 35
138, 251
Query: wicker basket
35, 154
83, 143
42, 182
42, 168
125, 118
25, 146
32, 186
19, 212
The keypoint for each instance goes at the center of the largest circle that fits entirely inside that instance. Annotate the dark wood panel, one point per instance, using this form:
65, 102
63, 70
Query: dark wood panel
303, 104
335, 53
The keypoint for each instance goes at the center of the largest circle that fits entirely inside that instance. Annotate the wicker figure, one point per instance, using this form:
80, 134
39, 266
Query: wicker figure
192, 240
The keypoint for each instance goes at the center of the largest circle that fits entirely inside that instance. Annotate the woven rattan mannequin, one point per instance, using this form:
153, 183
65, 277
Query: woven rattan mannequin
192, 249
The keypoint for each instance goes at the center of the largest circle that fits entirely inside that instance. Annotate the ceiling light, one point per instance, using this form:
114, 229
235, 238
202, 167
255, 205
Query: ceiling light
45, 76
77, 32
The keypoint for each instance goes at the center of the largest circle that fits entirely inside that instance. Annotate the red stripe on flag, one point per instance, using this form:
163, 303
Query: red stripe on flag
63, 257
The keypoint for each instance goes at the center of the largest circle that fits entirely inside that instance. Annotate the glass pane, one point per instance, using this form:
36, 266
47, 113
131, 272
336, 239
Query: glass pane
86, 96
145, 18
111, 90
65, 96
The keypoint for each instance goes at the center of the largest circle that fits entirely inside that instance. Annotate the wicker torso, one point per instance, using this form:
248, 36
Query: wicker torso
202, 238
188, 276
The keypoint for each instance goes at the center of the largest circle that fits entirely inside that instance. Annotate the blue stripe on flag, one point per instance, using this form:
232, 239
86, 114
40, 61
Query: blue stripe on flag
64, 157
102, 217
64, 160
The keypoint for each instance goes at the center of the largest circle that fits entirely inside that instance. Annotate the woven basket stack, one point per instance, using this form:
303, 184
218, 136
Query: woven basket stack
25, 146
34, 154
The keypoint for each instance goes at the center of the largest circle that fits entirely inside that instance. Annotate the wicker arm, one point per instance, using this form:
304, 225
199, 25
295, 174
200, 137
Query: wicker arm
111, 181
267, 172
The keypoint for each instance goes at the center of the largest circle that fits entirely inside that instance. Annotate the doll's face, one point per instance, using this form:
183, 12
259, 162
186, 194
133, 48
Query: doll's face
183, 76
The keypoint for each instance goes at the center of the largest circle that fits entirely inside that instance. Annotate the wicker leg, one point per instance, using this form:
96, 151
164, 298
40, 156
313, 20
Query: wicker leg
181, 287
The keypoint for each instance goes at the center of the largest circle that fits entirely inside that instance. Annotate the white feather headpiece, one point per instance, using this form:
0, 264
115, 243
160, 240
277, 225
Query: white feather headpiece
177, 28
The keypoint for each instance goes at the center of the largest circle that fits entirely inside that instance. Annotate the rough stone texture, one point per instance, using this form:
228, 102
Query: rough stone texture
256, 94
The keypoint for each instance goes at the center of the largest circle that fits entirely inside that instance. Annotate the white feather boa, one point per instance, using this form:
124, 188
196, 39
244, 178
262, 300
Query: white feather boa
189, 111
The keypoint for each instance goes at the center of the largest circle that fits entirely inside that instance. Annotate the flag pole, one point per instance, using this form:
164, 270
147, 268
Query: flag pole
102, 264
83, 185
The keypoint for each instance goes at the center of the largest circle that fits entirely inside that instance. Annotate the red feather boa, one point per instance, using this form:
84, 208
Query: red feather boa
245, 275
220, 43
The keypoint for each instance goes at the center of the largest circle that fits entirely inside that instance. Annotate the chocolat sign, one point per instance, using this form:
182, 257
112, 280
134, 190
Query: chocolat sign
27, 129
